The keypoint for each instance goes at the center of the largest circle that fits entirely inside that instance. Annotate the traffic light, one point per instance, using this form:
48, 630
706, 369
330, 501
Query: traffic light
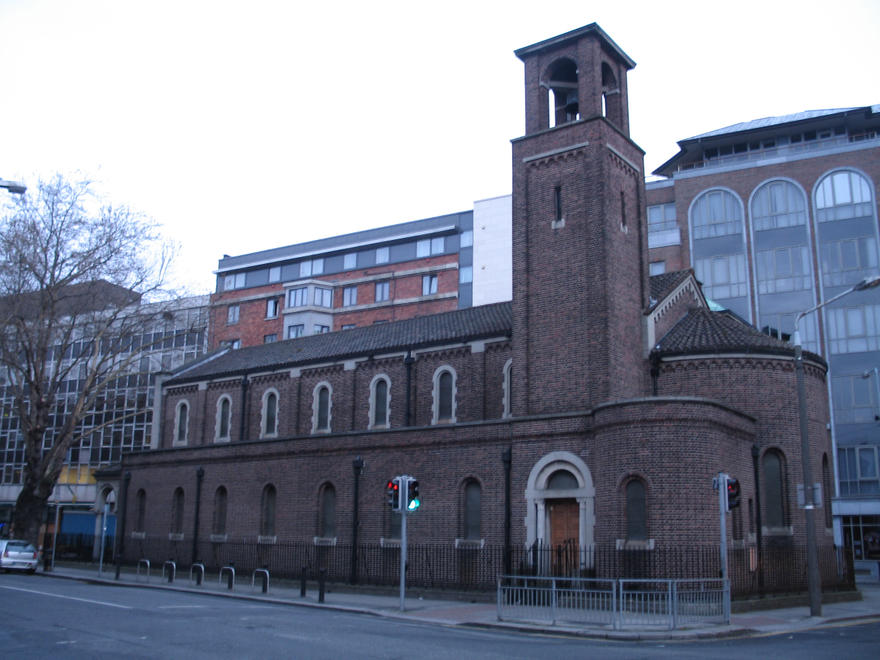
412, 495
732, 493
392, 492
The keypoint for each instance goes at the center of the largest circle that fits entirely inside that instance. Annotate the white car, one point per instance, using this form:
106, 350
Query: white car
18, 555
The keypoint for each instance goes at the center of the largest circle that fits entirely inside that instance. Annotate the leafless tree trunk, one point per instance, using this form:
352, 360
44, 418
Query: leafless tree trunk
78, 285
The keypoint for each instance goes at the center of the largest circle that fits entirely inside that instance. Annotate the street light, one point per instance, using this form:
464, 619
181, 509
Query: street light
814, 584
13, 186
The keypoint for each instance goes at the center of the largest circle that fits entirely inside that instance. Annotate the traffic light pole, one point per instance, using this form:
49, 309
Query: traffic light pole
722, 508
404, 487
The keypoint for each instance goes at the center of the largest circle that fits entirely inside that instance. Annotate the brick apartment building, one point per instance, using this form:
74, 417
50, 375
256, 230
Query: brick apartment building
593, 409
778, 215
373, 276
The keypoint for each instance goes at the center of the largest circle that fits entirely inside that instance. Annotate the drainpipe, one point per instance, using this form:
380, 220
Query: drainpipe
408, 363
242, 430
506, 459
759, 536
200, 474
358, 466
120, 532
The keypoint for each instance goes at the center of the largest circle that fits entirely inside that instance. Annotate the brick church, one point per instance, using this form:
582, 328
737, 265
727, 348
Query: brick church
595, 409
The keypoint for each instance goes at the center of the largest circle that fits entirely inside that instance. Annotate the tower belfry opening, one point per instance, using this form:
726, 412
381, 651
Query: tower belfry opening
562, 81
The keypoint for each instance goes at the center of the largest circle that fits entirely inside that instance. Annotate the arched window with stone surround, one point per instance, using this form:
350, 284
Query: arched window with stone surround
321, 408
444, 396
380, 402
181, 425
269, 417
224, 419
774, 482
636, 510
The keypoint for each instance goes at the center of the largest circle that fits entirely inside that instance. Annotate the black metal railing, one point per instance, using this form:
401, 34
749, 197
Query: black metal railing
775, 570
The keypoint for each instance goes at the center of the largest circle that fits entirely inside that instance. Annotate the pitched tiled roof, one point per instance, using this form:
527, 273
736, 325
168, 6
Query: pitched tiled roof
704, 331
459, 326
663, 284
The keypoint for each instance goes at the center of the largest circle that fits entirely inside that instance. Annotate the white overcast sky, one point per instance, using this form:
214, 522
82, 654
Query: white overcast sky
242, 126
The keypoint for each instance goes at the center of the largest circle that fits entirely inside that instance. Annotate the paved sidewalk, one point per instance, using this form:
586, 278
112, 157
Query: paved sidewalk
479, 614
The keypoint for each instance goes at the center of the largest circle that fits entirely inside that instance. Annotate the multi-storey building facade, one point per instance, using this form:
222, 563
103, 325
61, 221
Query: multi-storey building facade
373, 276
594, 409
121, 419
776, 216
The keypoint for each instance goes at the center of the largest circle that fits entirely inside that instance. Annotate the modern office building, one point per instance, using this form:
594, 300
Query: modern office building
121, 419
776, 216
373, 276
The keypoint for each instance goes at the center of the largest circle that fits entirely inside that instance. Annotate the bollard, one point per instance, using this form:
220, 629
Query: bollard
172, 566
322, 581
302, 584
264, 578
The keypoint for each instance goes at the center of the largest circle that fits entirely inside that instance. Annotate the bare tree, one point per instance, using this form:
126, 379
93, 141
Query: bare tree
74, 279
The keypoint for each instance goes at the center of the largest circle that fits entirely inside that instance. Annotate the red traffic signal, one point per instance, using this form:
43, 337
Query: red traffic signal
733, 493
392, 493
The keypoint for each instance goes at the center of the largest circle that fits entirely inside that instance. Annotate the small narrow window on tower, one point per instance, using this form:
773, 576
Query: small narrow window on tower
558, 219
622, 212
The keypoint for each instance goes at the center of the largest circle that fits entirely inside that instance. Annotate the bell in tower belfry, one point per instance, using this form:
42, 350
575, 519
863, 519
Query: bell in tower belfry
579, 245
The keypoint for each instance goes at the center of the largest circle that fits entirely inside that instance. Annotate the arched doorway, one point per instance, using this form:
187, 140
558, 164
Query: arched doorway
561, 514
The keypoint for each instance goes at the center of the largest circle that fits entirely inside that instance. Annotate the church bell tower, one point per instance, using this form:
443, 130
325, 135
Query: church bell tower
579, 240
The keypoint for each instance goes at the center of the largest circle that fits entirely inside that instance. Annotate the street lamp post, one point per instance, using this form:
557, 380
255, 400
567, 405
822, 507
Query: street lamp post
13, 186
814, 584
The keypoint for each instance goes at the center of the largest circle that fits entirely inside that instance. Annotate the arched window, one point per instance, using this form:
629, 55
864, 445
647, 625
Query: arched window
181, 425
327, 519
636, 511
321, 408
177, 511
140, 510
224, 419
563, 85
716, 213
774, 489
444, 396
842, 195
612, 104
472, 510
267, 511
562, 480
720, 265
219, 525
380, 402
848, 254
506, 387
269, 425
783, 260
778, 204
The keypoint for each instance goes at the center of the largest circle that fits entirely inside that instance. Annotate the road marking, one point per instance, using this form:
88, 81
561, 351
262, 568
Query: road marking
181, 607
82, 600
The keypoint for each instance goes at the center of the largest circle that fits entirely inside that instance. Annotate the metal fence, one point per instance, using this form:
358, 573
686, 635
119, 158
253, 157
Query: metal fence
435, 566
664, 604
